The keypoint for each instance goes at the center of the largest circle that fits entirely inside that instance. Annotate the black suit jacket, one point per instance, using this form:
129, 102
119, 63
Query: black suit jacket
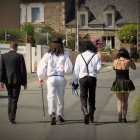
13, 69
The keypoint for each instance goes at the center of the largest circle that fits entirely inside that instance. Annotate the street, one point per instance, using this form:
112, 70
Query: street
32, 125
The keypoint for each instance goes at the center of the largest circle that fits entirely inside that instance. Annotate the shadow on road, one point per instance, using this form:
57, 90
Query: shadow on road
33, 122
115, 122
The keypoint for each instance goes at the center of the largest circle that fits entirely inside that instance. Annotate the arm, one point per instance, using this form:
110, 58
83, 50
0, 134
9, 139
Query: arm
42, 69
23, 72
132, 64
98, 64
76, 71
114, 63
68, 66
2, 72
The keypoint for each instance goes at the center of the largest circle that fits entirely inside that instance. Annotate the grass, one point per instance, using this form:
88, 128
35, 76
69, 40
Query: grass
136, 108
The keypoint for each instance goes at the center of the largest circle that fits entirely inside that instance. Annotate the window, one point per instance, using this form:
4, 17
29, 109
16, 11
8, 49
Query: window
109, 19
82, 20
109, 41
35, 12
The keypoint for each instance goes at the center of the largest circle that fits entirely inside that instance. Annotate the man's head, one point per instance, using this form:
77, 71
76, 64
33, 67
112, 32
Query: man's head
14, 46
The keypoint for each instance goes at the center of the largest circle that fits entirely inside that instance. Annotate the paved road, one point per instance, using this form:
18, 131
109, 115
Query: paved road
31, 124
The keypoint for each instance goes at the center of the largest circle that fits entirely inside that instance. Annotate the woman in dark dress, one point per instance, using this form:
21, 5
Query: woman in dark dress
122, 85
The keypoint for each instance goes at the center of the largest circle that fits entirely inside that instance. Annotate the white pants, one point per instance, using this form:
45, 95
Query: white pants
56, 90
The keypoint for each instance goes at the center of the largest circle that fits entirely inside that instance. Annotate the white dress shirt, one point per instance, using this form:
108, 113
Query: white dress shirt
51, 64
80, 69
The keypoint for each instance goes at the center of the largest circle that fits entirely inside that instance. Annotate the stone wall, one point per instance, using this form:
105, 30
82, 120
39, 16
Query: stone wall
55, 16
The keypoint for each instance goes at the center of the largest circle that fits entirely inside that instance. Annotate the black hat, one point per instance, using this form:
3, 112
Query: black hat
57, 40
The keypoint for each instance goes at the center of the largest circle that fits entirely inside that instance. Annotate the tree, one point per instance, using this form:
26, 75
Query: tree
128, 34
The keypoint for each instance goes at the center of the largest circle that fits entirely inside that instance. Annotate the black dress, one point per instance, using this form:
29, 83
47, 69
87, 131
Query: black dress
122, 83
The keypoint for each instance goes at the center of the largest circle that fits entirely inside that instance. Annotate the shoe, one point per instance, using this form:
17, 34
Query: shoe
86, 119
53, 119
12, 122
60, 119
125, 120
120, 117
91, 119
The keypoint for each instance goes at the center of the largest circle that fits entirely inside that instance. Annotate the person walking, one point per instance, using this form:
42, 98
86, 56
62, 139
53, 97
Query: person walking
122, 85
13, 74
87, 65
54, 64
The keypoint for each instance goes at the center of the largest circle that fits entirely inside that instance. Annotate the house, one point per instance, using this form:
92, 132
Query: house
9, 14
99, 19
52, 13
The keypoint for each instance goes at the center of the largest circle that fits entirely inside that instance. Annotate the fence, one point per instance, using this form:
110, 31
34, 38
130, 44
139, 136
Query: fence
31, 54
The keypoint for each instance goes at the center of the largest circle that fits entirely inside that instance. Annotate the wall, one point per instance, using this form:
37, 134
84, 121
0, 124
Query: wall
9, 14
55, 15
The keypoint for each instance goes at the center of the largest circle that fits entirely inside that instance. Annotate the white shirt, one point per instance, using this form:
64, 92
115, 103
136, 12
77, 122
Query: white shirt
80, 69
54, 65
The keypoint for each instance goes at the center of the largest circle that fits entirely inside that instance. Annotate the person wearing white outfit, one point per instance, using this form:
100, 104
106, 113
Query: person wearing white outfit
87, 64
54, 64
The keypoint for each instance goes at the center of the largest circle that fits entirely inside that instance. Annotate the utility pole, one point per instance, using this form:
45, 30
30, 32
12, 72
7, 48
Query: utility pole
77, 24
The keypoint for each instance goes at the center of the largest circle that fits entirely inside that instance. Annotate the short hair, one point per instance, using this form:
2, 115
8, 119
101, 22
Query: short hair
123, 53
14, 45
87, 45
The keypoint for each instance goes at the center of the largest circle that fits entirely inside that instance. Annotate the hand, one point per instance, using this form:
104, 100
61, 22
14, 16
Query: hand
41, 82
1, 85
75, 86
25, 87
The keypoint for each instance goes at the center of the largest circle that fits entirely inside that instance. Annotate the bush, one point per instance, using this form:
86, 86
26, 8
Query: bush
71, 42
28, 33
11, 35
40, 39
136, 108
2, 35
128, 34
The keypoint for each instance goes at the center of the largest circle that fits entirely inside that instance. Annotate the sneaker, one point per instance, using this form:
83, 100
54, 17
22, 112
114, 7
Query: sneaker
86, 119
53, 119
60, 119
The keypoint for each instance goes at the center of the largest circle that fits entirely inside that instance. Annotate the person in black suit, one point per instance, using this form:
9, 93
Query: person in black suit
13, 74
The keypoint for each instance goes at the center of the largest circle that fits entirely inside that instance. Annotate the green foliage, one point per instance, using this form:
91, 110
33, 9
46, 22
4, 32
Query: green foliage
46, 29
136, 108
2, 35
28, 28
40, 39
106, 49
11, 35
28, 33
71, 42
128, 34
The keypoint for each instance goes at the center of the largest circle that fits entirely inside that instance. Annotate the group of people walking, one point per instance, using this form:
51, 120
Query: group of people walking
54, 65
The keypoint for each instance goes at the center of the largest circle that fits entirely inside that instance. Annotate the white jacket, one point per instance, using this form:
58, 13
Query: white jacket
54, 65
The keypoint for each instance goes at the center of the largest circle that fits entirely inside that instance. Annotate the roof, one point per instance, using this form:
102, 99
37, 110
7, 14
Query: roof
126, 10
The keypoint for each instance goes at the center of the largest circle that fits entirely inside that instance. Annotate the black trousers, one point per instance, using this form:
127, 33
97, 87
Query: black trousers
13, 95
87, 92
